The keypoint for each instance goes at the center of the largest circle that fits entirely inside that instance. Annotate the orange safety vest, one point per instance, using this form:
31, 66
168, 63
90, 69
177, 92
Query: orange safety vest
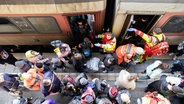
122, 53
33, 83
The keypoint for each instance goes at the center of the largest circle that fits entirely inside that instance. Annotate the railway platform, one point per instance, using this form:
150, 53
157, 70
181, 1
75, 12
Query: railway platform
110, 77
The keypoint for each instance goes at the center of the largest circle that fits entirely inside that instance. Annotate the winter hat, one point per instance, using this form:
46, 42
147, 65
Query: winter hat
139, 51
39, 66
89, 99
56, 43
125, 98
112, 92
31, 53
83, 81
46, 82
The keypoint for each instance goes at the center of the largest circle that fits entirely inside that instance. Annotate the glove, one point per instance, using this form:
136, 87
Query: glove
131, 29
97, 44
132, 63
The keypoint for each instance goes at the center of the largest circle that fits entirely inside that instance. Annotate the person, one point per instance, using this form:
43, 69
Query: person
41, 67
50, 84
163, 85
79, 62
126, 80
151, 41
23, 65
9, 83
63, 51
100, 86
86, 47
155, 69
69, 86
178, 65
32, 79
112, 93
179, 52
88, 97
81, 81
153, 98
126, 53
108, 42
123, 97
6, 56
34, 57
108, 62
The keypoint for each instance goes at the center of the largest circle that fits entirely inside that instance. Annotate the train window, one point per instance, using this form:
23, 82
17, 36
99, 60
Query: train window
174, 25
7, 27
44, 24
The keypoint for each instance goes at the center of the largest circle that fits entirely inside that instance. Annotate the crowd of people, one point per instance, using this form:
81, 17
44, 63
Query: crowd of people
38, 72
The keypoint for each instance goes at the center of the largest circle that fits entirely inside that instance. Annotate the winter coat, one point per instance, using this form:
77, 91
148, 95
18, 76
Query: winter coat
9, 81
122, 53
55, 84
107, 45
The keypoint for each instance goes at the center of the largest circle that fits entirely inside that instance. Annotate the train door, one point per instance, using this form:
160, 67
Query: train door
82, 26
140, 22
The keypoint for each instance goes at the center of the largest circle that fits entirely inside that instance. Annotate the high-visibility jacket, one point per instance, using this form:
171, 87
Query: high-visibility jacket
124, 52
150, 42
107, 45
33, 82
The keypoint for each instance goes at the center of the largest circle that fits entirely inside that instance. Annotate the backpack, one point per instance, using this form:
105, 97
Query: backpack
160, 49
75, 100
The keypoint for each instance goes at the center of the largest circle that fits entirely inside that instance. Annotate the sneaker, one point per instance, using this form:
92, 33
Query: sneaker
105, 71
171, 54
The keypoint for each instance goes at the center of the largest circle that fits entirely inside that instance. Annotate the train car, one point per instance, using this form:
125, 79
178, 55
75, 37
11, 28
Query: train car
147, 14
30, 22
38, 22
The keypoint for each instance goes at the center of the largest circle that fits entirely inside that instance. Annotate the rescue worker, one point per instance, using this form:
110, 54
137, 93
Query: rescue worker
151, 40
34, 57
50, 84
126, 53
32, 79
9, 83
108, 42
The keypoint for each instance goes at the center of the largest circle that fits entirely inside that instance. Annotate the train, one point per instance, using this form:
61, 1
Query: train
38, 22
